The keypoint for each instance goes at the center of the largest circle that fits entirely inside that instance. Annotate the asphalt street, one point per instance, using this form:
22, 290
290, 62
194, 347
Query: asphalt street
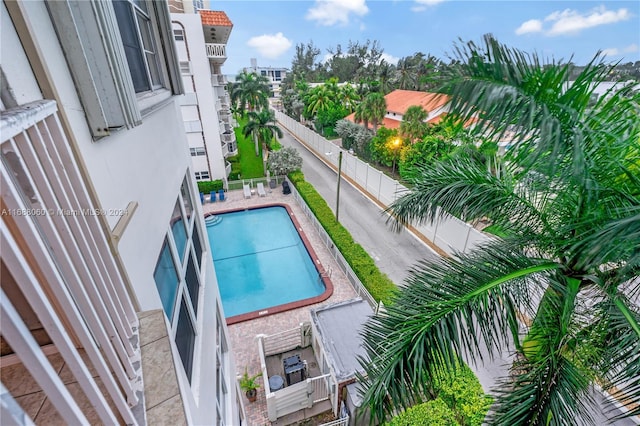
394, 252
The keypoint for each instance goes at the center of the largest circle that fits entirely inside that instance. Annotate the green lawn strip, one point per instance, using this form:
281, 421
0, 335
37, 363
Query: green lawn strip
378, 284
250, 164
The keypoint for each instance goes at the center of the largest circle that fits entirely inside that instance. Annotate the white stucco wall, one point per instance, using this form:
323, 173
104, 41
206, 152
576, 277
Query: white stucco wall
145, 164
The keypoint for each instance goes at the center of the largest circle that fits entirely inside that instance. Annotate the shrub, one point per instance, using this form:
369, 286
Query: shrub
206, 186
377, 283
463, 394
431, 413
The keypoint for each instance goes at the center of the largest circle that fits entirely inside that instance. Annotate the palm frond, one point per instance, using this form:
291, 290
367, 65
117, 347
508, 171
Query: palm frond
449, 308
620, 363
466, 190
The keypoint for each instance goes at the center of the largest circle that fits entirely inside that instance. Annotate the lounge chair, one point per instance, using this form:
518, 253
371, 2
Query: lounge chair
261, 191
221, 194
212, 198
247, 190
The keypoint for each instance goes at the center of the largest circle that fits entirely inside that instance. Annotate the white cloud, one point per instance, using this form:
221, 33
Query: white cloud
389, 58
331, 12
571, 21
530, 26
422, 5
614, 51
270, 46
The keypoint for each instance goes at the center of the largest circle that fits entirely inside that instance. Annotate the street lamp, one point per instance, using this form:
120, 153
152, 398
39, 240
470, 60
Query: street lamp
395, 145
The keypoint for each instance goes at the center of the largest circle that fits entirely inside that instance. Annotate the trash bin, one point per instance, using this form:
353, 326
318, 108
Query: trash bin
285, 188
275, 383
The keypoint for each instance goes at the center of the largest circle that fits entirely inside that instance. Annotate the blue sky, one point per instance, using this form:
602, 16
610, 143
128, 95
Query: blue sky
269, 30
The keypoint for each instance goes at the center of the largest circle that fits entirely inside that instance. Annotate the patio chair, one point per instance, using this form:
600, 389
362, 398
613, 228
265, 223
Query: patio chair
212, 198
247, 190
202, 197
221, 194
261, 191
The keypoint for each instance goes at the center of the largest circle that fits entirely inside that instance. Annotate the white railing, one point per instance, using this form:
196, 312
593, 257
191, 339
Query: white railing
319, 387
299, 337
53, 219
216, 50
449, 233
340, 422
228, 137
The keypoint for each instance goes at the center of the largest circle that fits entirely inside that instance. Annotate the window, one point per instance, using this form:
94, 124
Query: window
263, 72
198, 4
186, 198
197, 245
193, 284
178, 230
198, 151
185, 338
178, 34
166, 278
278, 75
138, 38
202, 175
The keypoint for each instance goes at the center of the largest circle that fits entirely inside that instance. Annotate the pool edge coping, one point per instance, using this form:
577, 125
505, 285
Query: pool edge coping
328, 284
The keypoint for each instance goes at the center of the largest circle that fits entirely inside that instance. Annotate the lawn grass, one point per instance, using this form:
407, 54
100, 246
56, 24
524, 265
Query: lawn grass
250, 164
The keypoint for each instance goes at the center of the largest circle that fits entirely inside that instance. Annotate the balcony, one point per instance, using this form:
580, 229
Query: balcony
218, 80
216, 52
227, 137
292, 377
71, 338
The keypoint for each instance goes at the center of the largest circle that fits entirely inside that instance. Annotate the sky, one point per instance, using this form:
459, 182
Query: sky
269, 30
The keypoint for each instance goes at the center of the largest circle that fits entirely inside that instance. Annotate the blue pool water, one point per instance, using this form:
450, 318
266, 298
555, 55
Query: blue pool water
260, 260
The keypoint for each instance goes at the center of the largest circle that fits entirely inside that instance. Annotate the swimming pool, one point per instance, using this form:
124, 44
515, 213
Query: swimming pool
263, 264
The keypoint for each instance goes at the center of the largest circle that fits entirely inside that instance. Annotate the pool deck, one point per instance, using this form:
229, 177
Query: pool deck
242, 335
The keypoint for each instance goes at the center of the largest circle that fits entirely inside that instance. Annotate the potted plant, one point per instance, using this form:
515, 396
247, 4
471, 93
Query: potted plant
249, 385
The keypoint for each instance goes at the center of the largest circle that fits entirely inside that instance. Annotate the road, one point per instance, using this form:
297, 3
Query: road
394, 252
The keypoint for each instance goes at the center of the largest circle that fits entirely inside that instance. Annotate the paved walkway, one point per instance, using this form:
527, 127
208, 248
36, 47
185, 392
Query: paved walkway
243, 343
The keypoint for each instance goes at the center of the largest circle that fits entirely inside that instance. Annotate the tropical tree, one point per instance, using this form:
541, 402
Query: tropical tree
375, 108
348, 97
284, 161
559, 287
413, 126
261, 126
252, 91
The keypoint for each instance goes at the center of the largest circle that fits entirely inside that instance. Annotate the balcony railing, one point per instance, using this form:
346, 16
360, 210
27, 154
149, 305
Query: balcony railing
216, 50
74, 288
228, 137
218, 80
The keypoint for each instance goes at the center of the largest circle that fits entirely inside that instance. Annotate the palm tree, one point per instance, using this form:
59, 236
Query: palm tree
320, 98
413, 126
348, 97
252, 91
375, 106
262, 127
386, 72
568, 201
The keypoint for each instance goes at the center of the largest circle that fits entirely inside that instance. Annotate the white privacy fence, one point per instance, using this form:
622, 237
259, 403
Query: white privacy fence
449, 233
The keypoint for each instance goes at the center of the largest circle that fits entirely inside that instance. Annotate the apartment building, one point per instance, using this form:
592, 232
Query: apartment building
201, 39
274, 75
110, 309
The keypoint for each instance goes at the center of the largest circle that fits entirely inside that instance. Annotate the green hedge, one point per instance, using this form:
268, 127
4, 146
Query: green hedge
378, 284
206, 186
462, 392
460, 401
432, 413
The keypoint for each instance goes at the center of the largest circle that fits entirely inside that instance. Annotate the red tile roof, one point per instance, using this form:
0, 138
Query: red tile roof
214, 18
399, 101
